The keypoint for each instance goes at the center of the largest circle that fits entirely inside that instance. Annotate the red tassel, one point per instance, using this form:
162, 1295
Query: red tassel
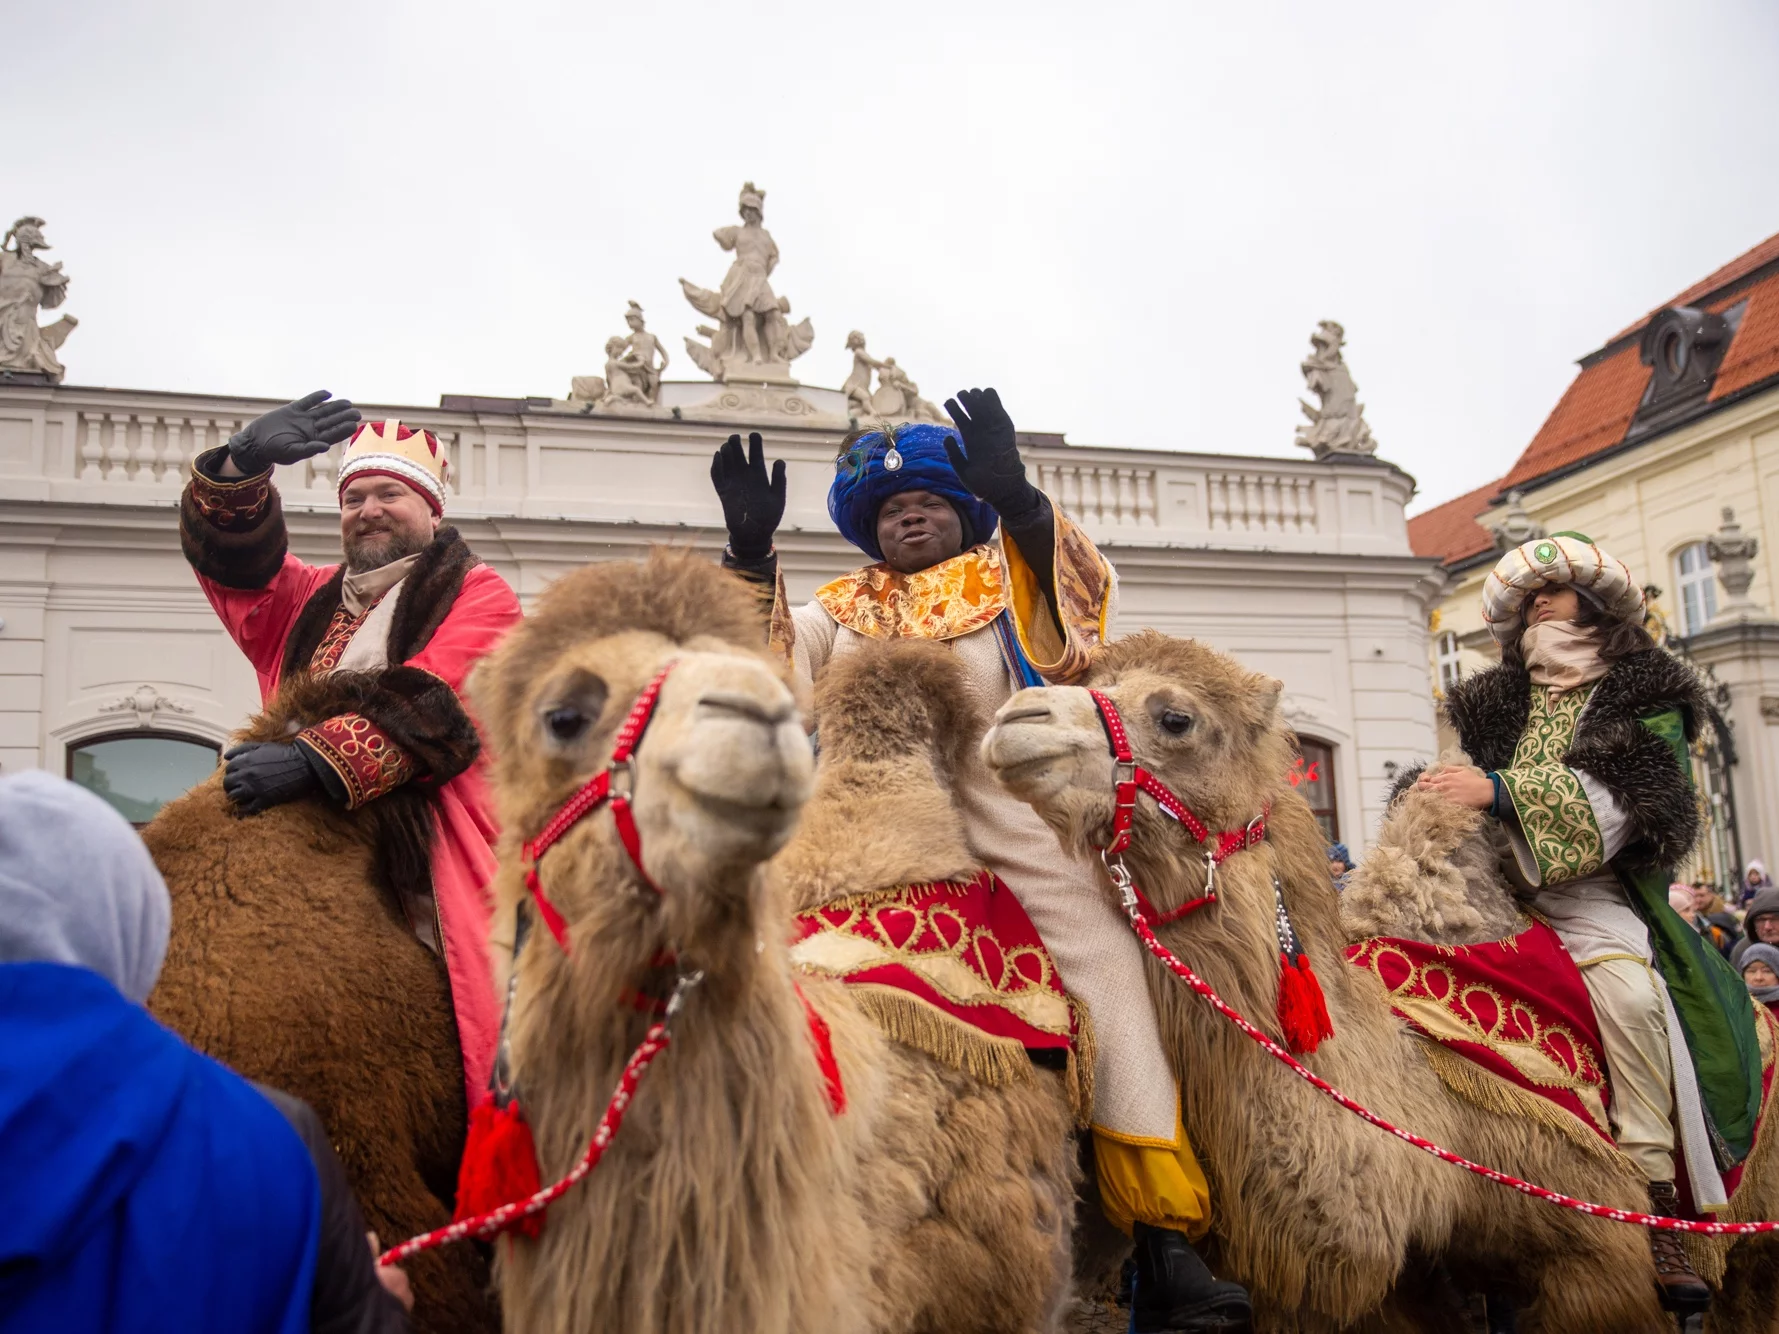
1303, 1010
499, 1165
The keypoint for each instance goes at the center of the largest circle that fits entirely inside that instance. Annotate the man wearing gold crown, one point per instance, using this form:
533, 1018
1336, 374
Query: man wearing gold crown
396, 628
924, 502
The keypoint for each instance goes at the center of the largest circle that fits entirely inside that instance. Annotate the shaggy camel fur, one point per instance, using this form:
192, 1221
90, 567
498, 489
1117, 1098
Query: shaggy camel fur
1435, 874
1332, 1223
290, 961
735, 1198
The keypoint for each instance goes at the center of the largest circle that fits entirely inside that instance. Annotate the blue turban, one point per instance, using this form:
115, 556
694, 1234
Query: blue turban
862, 482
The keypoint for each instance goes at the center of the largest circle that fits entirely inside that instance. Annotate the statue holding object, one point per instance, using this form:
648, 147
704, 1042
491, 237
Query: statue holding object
897, 397
28, 285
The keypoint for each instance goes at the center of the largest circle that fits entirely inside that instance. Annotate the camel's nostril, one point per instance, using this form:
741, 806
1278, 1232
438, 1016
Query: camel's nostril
770, 713
1032, 713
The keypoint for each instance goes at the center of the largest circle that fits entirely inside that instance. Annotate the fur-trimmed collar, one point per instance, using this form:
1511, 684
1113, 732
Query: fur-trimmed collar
423, 601
1489, 712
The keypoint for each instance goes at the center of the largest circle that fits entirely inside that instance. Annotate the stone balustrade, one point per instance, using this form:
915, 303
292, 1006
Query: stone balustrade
536, 460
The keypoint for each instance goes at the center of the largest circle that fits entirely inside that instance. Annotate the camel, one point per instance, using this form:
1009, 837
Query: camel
1331, 1223
736, 1196
290, 962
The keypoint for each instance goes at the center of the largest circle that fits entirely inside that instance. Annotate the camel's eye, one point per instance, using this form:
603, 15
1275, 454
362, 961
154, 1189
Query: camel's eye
566, 722
1175, 723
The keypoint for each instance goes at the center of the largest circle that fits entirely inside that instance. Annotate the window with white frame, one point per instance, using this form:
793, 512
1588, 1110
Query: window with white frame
1697, 583
1451, 666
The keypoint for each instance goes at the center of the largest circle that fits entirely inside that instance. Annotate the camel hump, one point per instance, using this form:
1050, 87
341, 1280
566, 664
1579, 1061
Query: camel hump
890, 700
1434, 874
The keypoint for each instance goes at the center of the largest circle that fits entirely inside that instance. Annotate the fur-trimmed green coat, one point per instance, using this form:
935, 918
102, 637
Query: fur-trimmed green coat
1632, 739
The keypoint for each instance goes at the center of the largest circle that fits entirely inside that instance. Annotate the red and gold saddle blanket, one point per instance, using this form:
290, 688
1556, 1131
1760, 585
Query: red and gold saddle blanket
1514, 1009
956, 969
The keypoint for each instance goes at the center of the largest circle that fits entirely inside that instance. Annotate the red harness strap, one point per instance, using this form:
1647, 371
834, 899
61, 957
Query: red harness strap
598, 791
1135, 778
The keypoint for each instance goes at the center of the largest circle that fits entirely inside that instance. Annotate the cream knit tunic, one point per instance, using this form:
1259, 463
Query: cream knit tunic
1098, 956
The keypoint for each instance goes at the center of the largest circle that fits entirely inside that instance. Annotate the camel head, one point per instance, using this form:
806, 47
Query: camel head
1197, 720
718, 779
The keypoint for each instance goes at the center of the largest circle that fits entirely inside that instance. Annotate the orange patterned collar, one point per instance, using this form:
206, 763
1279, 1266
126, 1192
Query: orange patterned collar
944, 601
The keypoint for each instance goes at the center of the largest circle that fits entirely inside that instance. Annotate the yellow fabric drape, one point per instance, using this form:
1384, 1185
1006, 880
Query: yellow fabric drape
1155, 1184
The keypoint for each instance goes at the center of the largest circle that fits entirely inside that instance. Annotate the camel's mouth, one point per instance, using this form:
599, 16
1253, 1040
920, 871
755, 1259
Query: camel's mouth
1025, 747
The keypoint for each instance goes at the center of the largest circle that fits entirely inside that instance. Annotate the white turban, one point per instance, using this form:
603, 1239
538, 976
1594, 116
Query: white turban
1561, 558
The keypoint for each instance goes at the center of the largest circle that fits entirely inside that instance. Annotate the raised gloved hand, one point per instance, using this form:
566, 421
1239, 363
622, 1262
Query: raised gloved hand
294, 432
259, 775
991, 468
752, 504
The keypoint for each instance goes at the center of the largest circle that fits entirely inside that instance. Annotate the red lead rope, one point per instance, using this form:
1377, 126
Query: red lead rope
1208, 994
495, 1221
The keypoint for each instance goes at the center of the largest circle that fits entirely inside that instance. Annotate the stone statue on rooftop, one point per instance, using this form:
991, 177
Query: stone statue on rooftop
27, 285
754, 338
897, 398
1338, 425
1515, 527
643, 348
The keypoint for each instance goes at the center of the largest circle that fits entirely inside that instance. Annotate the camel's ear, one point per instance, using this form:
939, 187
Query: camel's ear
1263, 701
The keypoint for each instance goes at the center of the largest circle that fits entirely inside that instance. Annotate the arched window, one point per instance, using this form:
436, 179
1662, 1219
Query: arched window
1313, 777
1697, 583
1451, 666
139, 772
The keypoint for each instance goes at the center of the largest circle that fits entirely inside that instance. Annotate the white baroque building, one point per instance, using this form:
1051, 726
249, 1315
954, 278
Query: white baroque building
110, 657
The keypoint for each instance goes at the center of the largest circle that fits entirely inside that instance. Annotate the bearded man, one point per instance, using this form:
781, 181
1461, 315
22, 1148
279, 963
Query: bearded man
923, 502
384, 642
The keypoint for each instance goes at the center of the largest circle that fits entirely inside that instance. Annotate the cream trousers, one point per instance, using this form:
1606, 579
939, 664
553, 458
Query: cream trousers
1633, 1019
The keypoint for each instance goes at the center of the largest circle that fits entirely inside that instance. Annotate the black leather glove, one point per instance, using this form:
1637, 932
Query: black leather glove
262, 774
294, 432
752, 505
992, 468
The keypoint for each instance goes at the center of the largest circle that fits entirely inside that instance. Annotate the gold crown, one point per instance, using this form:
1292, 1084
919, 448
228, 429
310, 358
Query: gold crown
406, 453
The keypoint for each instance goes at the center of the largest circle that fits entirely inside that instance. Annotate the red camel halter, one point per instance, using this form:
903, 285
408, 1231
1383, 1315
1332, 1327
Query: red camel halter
1130, 778
598, 791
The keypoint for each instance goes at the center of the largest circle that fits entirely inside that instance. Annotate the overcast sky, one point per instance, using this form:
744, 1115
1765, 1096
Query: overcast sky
1128, 216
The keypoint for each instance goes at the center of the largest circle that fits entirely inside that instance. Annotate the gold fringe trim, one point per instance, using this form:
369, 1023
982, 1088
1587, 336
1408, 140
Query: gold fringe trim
907, 1019
1082, 1057
1470, 1081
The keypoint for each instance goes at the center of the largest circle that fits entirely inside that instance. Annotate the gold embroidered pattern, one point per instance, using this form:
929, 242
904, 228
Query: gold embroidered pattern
231, 505
368, 762
945, 601
1554, 812
333, 644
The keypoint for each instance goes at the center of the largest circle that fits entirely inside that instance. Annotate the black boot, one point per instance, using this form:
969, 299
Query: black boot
1174, 1292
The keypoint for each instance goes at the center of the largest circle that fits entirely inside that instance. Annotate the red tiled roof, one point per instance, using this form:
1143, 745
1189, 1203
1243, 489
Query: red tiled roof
1739, 267
1592, 415
1597, 408
1753, 354
1450, 531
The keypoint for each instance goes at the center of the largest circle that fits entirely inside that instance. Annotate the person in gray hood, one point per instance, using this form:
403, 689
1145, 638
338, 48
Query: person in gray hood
144, 1185
1760, 922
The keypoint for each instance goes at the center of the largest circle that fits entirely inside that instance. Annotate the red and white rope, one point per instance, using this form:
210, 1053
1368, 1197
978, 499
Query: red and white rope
654, 1042
1208, 994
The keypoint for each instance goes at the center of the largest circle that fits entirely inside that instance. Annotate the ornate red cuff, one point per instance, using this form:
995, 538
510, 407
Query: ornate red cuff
232, 505
368, 762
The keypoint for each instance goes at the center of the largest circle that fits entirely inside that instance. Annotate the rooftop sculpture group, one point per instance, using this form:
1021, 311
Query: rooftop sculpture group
27, 285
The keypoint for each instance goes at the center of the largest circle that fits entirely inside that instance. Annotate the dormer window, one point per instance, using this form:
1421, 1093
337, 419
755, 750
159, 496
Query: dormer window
1683, 346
